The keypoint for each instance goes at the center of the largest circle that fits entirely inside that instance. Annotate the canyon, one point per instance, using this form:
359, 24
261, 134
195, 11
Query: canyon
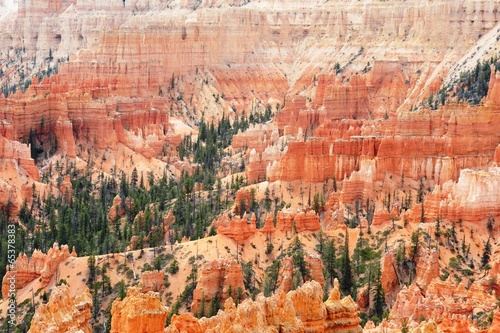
352, 151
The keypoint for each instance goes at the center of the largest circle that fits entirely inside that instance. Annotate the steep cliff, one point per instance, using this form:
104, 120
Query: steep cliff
474, 197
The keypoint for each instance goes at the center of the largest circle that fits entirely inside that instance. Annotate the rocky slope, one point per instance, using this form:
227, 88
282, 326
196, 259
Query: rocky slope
219, 279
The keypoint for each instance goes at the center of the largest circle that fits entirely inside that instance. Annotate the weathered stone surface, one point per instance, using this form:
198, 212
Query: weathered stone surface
138, 313
302, 221
301, 310
474, 197
184, 323
308, 302
152, 281
55, 256
238, 229
342, 314
40, 265
66, 188
117, 209
450, 305
63, 313
218, 278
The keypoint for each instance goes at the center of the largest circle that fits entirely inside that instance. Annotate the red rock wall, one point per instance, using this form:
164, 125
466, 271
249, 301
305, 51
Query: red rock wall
473, 198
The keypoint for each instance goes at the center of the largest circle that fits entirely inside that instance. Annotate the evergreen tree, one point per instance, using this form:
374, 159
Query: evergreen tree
346, 282
201, 312
134, 177
378, 299
329, 260
92, 271
485, 258
214, 305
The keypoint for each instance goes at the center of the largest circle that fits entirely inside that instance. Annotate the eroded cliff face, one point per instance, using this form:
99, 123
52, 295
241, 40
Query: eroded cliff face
288, 221
119, 83
474, 197
436, 144
112, 54
119, 91
63, 313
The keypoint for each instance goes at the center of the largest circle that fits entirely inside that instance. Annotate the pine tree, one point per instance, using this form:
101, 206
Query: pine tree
347, 280
378, 299
134, 178
297, 280
121, 289
201, 313
92, 271
485, 258
329, 258
214, 305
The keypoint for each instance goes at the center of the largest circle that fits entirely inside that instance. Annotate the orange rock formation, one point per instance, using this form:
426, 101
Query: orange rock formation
314, 264
217, 279
301, 310
39, 265
239, 229
63, 313
448, 304
116, 209
474, 197
152, 281
138, 313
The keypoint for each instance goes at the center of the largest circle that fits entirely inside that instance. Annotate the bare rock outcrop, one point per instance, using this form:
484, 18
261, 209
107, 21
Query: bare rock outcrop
138, 313
238, 228
301, 310
451, 306
40, 265
152, 281
474, 197
63, 313
116, 210
220, 278
342, 314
